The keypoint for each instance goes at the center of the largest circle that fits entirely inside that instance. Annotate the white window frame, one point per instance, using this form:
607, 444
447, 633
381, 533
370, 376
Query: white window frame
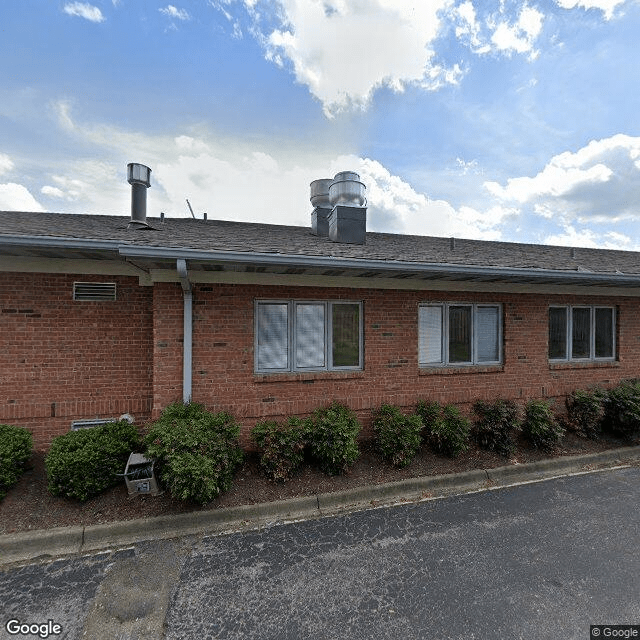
292, 335
592, 329
444, 334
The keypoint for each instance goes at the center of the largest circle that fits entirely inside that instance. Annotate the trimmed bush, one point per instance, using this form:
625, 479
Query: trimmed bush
81, 464
16, 445
397, 435
496, 424
282, 447
540, 426
446, 430
622, 410
332, 438
585, 412
196, 451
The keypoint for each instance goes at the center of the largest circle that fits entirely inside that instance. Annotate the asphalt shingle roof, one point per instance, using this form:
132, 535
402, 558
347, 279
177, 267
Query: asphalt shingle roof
247, 237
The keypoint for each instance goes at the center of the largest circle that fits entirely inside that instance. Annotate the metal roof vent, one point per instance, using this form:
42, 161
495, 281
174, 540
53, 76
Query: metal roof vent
348, 217
139, 177
339, 208
94, 291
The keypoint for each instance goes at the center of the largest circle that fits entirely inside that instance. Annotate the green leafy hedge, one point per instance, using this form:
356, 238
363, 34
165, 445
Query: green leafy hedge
196, 451
622, 410
446, 430
585, 412
81, 464
397, 435
16, 445
496, 424
332, 438
540, 426
282, 446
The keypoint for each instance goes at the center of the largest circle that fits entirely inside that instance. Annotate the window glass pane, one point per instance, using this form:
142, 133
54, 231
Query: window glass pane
581, 332
558, 332
346, 335
459, 334
309, 336
487, 332
604, 333
430, 335
273, 343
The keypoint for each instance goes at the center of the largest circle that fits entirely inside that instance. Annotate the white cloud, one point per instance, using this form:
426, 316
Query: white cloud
600, 181
174, 12
519, 37
395, 206
16, 197
607, 7
571, 237
84, 10
344, 50
238, 180
503, 31
52, 192
6, 164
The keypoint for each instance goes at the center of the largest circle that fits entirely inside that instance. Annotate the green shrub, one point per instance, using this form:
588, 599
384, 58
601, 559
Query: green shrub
196, 451
445, 430
397, 435
282, 446
332, 438
585, 412
622, 410
16, 445
430, 412
540, 426
496, 424
81, 464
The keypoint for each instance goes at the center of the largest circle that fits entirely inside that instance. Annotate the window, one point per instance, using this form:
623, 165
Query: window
297, 335
459, 334
581, 333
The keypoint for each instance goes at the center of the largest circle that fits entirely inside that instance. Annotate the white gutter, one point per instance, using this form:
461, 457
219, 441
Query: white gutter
187, 357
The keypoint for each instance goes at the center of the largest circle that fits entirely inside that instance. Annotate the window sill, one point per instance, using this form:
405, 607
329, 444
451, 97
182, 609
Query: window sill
451, 371
590, 364
307, 376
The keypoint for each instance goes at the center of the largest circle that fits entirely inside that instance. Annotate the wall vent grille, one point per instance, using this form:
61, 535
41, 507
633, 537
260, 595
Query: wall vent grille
76, 425
101, 291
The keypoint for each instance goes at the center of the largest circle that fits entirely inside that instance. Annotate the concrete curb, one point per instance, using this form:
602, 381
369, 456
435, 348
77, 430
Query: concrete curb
40, 544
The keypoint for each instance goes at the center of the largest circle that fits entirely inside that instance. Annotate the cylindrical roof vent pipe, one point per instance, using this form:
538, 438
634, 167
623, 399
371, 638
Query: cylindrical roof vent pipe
139, 177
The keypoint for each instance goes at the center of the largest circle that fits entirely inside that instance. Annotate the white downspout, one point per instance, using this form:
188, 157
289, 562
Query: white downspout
187, 359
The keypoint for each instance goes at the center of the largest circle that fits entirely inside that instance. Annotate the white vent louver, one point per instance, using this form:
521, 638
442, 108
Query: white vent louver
76, 425
101, 291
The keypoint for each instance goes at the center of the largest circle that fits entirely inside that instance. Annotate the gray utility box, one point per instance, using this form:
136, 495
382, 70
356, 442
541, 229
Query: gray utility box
140, 476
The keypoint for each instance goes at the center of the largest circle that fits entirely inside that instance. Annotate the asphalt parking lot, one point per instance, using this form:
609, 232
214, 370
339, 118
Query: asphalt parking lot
540, 560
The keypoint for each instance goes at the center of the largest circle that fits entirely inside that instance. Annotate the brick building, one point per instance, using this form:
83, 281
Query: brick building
103, 315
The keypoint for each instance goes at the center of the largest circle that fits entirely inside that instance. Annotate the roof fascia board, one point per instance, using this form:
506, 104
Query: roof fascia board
508, 273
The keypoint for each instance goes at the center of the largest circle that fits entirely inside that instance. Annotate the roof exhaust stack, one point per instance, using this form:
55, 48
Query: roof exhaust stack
139, 177
340, 211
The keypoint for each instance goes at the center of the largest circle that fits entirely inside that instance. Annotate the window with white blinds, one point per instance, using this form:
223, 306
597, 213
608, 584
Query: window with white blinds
297, 335
459, 334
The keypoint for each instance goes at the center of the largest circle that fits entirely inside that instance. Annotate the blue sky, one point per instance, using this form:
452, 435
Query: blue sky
498, 119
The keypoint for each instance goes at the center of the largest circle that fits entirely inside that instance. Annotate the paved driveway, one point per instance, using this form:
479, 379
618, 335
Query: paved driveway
542, 560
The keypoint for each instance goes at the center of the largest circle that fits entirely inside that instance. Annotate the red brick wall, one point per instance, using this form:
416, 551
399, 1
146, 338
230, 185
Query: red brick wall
62, 360
223, 371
